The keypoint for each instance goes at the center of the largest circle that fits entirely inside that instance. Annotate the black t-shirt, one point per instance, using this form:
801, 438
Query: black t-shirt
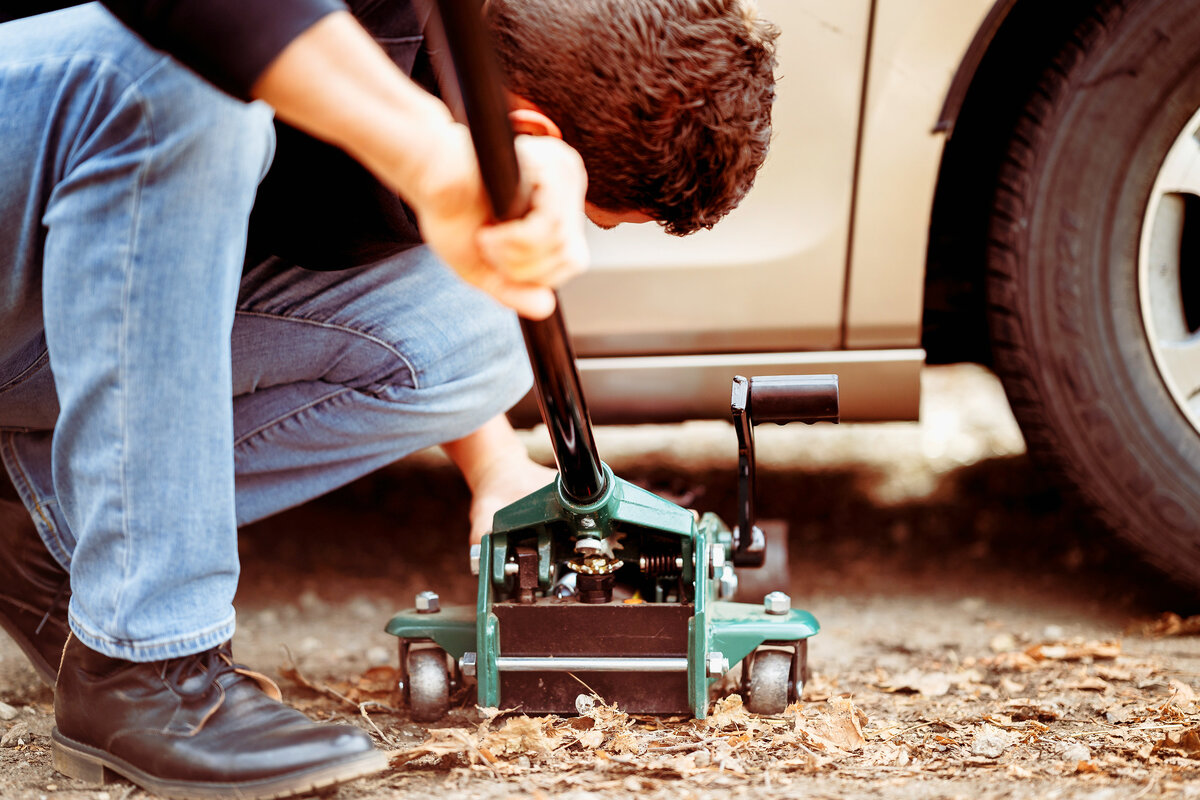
317, 207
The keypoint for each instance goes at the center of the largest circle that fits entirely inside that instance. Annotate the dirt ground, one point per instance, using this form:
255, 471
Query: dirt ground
981, 638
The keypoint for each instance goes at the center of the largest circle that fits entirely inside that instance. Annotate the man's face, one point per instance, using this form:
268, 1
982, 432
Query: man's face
606, 219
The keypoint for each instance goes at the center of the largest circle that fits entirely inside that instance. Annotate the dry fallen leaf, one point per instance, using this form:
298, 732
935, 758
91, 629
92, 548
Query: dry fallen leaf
523, 736
1182, 695
839, 725
728, 712
1170, 624
1179, 743
927, 684
442, 742
1089, 683
1074, 651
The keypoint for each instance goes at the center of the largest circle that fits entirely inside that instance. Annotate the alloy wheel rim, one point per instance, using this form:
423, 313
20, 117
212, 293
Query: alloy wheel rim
1168, 275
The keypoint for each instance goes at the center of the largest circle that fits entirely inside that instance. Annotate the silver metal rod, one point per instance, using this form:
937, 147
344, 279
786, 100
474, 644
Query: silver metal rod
583, 664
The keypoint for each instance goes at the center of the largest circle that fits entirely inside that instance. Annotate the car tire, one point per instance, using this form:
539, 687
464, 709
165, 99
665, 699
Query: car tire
1076, 332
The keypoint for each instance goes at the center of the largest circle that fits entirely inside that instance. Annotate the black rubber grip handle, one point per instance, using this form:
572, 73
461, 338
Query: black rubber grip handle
794, 398
485, 105
559, 391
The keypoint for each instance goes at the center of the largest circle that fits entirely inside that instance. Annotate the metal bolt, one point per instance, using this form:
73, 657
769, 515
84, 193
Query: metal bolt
474, 559
718, 664
466, 665
777, 603
716, 555
587, 522
428, 602
512, 568
727, 587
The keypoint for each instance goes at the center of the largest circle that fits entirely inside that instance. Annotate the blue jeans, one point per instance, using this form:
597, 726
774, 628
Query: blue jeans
153, 394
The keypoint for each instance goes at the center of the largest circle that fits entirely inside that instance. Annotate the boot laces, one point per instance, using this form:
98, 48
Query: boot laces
209, 665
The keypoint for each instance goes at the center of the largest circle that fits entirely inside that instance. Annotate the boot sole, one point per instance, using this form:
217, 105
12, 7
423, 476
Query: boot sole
88, 764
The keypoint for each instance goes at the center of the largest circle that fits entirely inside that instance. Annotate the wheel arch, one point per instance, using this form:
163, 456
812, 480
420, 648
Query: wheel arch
995, 78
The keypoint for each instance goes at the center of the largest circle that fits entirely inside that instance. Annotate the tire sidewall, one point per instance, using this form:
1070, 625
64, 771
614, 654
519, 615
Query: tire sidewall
1122, 99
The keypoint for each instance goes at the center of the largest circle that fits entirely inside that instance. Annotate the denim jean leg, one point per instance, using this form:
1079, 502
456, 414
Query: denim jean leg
339, 373
145, 176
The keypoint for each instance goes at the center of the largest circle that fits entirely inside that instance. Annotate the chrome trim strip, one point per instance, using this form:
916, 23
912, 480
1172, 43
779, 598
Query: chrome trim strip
594, 664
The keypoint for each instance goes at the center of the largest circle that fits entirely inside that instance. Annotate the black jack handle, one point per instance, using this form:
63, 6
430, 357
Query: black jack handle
771, 398
556, 380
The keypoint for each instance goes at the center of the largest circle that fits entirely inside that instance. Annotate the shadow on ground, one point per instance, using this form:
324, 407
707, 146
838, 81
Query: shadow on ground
995, 529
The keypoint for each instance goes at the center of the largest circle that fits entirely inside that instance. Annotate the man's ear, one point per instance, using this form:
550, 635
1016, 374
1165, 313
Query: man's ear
532, 122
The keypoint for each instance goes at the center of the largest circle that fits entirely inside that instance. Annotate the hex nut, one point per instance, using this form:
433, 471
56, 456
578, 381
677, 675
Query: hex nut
428, 602
777, 603
717, 665
466, 665
474, 559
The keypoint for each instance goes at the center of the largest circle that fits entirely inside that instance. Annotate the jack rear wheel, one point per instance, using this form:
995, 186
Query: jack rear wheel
428, 684
768, 687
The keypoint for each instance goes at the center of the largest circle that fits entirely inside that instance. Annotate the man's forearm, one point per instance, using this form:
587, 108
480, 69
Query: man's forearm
335, 83
477, 454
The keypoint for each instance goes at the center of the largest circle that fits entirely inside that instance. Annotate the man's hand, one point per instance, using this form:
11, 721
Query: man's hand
498, 469
335, 83
517, 262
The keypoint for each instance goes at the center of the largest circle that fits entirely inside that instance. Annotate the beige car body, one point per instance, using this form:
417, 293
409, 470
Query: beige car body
822, 267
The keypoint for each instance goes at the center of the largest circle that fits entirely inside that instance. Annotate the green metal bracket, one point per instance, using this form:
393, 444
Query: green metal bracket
452, 628
736, 629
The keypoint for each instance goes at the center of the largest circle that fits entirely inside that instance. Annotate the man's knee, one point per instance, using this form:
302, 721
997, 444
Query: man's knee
466, 370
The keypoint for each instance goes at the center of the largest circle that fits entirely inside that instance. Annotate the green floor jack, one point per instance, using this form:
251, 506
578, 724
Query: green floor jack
591, 585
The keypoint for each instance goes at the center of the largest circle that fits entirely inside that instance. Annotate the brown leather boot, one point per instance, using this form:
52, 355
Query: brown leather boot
200, 726
34, 589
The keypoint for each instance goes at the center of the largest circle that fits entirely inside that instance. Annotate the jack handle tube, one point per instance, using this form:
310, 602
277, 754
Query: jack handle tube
556, 380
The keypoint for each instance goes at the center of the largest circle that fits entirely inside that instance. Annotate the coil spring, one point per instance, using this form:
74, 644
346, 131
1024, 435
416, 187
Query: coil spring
660, 565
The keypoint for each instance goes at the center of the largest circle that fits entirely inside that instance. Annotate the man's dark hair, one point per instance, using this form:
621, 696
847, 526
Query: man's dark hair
668, 101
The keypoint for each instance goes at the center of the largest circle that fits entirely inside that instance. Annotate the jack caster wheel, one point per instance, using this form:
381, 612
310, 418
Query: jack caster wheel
428, 684
767, 687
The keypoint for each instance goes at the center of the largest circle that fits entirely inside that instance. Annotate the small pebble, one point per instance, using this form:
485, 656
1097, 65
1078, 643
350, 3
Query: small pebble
267, 618
311, 602
584, 703
990, 742
1053, 633
379, 655
309, 645
1003, 643
364, 609
971, 605
1077, 752
17, 735
7, 712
